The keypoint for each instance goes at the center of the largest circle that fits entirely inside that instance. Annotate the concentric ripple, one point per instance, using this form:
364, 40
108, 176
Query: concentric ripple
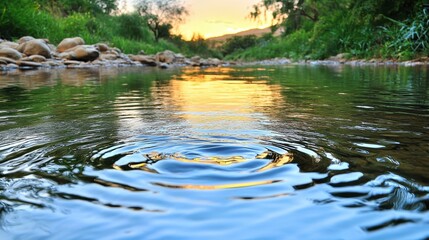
193, 163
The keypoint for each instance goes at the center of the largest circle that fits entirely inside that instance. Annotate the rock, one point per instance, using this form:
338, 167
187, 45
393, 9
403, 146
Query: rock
195, 64
7, 60
110, 51
52, 47
85, 53
64, 55
214, 62
148, 60
204, 62
71, 62
166, 57
125, 58
35, 47
25, 39
28, 64
179, 58
117, 50
163, 65
35, 58
12, 65
68, 43
108, 56
81, 53
53, 63
195, 59
102, 47
10, 53
9, 45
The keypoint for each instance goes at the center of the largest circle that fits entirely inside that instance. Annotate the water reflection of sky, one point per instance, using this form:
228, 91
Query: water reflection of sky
201, 103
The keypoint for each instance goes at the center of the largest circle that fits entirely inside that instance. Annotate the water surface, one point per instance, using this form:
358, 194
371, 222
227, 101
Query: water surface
174, 154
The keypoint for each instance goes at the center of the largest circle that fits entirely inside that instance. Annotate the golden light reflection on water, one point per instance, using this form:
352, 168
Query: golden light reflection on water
214, 98
217, 187
213, 160
277, 160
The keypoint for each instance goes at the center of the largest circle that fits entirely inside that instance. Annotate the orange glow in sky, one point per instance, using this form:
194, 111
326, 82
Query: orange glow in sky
211, 18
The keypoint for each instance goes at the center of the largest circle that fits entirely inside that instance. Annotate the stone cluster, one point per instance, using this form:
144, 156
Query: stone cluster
29, 53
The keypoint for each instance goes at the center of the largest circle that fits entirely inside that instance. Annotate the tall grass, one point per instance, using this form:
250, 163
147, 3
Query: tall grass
23, 17
409, 39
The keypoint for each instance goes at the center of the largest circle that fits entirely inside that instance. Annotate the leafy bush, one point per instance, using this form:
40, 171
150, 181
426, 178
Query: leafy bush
239, 43
409, 38
196, 46
133, 26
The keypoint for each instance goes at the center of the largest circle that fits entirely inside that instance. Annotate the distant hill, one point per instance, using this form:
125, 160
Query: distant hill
256, 31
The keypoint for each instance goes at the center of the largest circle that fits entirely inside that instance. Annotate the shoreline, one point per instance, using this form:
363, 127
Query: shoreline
339, 62
29, 53
15, 66
55, 64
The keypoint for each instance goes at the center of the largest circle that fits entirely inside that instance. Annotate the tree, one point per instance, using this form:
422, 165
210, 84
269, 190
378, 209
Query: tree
281, 9
313, 10
293, 14
161, 15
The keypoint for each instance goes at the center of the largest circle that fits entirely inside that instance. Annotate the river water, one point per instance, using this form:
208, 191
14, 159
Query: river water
135, 153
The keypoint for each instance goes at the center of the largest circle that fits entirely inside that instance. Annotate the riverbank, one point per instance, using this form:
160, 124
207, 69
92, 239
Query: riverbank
30, 53
340, 61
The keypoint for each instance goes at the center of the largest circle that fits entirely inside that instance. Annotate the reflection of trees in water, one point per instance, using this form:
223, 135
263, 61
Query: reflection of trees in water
13, 93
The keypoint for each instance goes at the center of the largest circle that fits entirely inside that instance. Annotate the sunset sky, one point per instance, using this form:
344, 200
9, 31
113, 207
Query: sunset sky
217, 17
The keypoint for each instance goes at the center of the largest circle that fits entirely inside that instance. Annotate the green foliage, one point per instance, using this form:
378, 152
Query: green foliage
127, 32
238, 43
68, 7
161, 15
131, 46
295, 46
199, 46
132, 26
407, 39
318, 29
23, 17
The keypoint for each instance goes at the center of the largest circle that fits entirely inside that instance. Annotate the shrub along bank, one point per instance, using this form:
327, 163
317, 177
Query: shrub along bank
362, 29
